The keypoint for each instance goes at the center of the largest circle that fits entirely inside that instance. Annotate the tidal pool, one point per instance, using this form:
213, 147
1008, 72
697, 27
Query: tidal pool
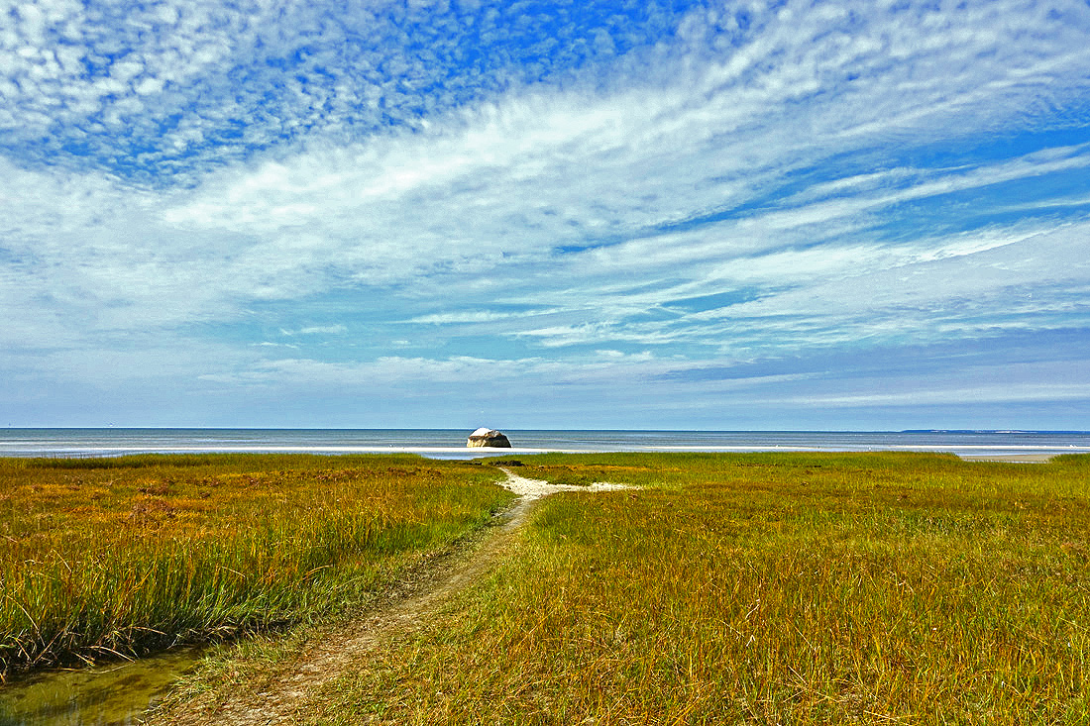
117, 693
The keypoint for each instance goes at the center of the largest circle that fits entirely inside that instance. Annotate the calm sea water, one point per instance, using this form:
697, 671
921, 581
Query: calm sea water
450, 443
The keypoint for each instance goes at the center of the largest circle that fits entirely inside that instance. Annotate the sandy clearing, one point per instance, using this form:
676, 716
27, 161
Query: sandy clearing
531, 489
1012, 458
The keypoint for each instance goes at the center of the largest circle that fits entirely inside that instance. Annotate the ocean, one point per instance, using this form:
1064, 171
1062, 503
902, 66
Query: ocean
450, 443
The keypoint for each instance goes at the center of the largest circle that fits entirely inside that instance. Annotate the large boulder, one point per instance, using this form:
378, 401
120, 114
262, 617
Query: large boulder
488, 438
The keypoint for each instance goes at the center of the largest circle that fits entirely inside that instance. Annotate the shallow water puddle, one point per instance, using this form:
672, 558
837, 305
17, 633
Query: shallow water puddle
118, 693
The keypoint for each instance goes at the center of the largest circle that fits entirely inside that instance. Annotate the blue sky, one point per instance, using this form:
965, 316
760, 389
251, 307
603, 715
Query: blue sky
721, 215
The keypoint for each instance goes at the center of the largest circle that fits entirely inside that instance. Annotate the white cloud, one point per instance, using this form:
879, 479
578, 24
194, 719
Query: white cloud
423, 374
316, 330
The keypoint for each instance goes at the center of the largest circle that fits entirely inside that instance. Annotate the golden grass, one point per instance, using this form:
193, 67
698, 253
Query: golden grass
107, 557
795, 589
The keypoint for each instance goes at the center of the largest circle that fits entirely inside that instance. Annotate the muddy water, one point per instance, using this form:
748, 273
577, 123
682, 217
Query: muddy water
118, 693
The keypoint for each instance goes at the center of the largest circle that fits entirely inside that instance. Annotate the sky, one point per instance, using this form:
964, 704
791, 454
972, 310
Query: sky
798, 215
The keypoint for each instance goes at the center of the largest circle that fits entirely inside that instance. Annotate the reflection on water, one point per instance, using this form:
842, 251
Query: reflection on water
118, 693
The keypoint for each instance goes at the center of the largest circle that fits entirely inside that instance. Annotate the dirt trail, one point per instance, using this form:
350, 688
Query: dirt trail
277, 700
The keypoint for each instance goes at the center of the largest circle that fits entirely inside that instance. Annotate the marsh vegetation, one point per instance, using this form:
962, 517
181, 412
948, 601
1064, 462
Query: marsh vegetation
870, 588
115, 557
757, 588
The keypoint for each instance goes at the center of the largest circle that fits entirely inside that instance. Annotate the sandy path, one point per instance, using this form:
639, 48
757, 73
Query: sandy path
276, 701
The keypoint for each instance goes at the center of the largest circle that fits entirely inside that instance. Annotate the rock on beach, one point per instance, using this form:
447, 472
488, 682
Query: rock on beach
488, 438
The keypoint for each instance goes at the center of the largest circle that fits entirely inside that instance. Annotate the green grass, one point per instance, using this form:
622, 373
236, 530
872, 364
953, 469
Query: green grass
122, 556
795, 589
